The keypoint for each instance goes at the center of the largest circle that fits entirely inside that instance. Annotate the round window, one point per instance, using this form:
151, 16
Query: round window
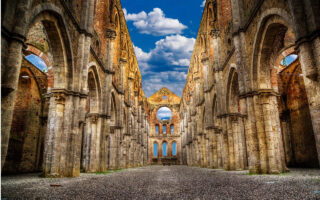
164, 113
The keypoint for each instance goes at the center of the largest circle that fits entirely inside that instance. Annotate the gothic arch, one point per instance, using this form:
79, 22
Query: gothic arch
211, 16
232, 74
94, 87
273, 24
155, 147
268, 45
164, 148
53, 20
172, 145
233, 92
113, 109
214, 110
26, 136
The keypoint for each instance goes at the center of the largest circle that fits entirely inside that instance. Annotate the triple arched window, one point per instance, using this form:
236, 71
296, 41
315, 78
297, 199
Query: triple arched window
172, 129
155, 149
174, 149
164, 149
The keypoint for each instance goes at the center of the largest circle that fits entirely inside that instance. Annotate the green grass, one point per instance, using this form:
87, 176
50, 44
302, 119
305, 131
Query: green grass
256, 174
108, 172
316, 180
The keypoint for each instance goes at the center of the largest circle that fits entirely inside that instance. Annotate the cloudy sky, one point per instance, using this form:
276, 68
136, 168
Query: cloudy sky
163, 33
164, 113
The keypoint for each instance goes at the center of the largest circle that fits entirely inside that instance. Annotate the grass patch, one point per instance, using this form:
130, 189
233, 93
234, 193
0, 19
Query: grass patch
256, 174
109, 171
317, 180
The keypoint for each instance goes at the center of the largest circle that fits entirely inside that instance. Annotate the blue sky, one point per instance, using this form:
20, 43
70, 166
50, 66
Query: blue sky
163, 33
38, 62
164, 113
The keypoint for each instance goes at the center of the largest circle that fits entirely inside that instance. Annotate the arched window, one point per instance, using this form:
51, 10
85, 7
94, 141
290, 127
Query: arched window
172, 129
288, 60
164, 113
164, 149
174, 149
155, 149
157, 129
164, 129
113, 110
38, 62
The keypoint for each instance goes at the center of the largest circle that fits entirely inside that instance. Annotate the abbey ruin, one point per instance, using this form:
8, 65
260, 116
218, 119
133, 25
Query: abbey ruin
243, 106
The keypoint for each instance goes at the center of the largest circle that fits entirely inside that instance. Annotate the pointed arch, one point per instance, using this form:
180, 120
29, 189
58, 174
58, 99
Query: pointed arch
113, 109
94, 87
155, 149
58, 34
232, 91
174, 148
272, 26
164, 149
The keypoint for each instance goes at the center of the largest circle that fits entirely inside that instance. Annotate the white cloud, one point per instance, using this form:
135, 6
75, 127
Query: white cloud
172, 50
173, 80
164, 113
166, 64
203, 3
140, 54
135, 17
155, 23
175, 50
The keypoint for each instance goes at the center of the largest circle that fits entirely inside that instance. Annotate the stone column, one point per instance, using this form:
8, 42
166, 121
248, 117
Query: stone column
225, 145
52, 152
93, 144
113, 150
80, 83
10, 71
86, 145
131, 152
207, 149
308, 42
214, 149
106, 107
239, 143
251, 135
232, 144
9, 87
260, 135
272, 132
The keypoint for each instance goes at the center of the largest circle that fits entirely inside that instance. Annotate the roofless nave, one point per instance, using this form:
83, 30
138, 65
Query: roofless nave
251, 100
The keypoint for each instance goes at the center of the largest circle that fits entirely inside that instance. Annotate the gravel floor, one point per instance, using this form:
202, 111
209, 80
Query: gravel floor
169, 182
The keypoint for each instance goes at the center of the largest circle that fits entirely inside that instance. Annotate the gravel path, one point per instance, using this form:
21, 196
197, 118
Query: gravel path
169, 182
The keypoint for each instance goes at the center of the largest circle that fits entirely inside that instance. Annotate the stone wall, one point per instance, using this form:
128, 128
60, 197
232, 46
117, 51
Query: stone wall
231, 105
164, 98
95, 106
27, 135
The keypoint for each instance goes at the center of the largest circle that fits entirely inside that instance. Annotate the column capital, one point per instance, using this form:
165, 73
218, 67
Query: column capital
111, 34
259, 92
204, 57
59, 97
215, 33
